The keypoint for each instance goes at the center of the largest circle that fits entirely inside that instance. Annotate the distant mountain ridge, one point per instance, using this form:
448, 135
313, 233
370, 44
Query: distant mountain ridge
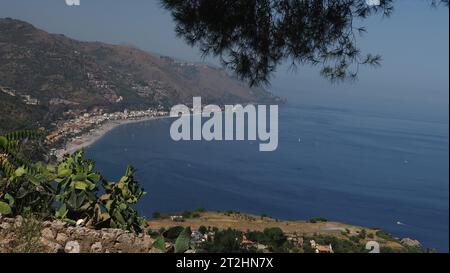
42, 75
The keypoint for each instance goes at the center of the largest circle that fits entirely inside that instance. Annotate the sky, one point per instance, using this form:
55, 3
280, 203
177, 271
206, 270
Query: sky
412, 82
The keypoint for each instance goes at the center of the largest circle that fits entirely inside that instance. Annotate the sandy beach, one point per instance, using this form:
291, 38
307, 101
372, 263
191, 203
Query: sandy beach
90, 138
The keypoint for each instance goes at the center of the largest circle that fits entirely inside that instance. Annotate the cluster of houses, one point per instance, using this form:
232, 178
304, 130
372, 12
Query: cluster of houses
197, 237
90, 121
294, 240
177, 218
246, 243
184, 64
99, 83
27, 99
149, 88
321, 248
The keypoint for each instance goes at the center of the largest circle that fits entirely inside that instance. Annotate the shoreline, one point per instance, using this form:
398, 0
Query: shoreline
89, 138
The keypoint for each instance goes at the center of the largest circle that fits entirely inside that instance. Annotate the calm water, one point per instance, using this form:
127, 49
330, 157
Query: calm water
347, 166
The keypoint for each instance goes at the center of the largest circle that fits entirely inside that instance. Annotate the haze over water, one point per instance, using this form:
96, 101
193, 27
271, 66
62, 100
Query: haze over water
359, 167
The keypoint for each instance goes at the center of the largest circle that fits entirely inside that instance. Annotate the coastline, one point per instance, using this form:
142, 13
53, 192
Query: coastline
89, 138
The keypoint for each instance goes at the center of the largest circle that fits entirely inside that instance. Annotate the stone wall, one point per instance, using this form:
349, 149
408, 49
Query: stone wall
56, 237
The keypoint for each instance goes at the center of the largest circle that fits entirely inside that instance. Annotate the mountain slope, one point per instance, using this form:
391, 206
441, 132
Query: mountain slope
42, 75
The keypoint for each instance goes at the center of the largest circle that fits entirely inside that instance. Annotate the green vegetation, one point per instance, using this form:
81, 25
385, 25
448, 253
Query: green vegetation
189, 214
231, 212
160, 243
384, 235
253, 42
202, 230
339, 245
272, 237
183, 241
270, 240
200, 210
173, 232
318, 219
225, 241
14, 114
28, 235
69, 190
362, 235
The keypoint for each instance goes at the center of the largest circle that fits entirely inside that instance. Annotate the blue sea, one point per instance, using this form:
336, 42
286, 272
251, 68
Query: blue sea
351, 166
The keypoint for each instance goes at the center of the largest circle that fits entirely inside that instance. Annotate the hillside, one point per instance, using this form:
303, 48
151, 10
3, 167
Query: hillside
42, 75
25, 234
343, 237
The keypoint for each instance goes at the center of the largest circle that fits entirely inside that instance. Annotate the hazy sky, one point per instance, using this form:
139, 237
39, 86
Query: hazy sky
413, 80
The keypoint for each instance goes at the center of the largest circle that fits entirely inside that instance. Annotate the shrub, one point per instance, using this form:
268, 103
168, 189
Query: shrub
318, 219
156, 215
186, 214
202, 230
226, 241
257, 236
354, 239
384, 235
200, 210
362, 235
173, 232
276, 238
231, 212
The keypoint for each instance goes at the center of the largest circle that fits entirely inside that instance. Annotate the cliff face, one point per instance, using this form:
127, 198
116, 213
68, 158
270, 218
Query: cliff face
47, 73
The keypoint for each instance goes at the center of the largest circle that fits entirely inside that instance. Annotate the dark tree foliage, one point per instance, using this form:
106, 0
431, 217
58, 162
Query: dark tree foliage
225, 241
252, 37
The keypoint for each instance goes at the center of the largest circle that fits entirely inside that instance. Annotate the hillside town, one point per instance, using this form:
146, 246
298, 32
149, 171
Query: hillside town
89, 122
27, 99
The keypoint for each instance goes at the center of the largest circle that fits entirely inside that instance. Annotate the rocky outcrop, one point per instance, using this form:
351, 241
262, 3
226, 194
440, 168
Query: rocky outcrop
56, 236
410, 242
